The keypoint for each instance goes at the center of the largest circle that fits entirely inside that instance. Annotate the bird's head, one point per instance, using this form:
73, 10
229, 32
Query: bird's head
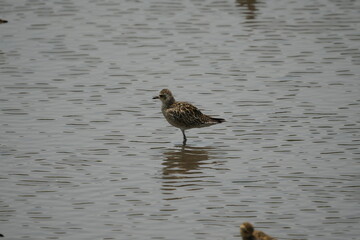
246, 229
165, 96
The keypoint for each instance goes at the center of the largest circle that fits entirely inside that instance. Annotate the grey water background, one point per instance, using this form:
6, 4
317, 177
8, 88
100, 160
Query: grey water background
86, 154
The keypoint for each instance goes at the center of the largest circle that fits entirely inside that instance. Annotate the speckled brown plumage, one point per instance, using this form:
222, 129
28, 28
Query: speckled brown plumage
183, 115
249, 233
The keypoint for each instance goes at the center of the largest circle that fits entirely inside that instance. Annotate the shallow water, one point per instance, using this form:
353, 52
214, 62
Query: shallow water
86, 154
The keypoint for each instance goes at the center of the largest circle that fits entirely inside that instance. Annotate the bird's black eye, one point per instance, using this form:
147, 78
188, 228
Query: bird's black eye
162, 95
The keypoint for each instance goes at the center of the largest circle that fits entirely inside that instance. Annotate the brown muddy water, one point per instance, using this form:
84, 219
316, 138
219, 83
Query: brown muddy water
86, 154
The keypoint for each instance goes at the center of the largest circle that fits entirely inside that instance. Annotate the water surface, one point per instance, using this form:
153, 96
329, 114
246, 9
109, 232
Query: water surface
86, 154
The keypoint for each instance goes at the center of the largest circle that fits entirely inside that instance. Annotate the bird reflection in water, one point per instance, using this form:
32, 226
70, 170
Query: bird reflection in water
189, 168
250, 4
184, 160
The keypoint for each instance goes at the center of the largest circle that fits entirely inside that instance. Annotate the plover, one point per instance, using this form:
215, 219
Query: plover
248, 233
183, 115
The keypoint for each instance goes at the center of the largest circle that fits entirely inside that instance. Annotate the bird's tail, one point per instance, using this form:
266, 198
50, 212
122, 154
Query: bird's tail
218, 120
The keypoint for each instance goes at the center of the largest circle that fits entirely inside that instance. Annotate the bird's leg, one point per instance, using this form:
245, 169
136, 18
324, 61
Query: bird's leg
183, 132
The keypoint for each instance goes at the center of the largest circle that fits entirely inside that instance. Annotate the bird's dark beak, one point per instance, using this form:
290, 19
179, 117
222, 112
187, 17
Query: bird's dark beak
156, 97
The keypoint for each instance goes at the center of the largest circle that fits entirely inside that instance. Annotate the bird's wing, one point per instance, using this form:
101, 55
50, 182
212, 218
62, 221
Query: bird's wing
186, 114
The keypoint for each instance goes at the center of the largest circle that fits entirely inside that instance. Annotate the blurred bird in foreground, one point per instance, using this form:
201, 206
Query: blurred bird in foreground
249, 233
